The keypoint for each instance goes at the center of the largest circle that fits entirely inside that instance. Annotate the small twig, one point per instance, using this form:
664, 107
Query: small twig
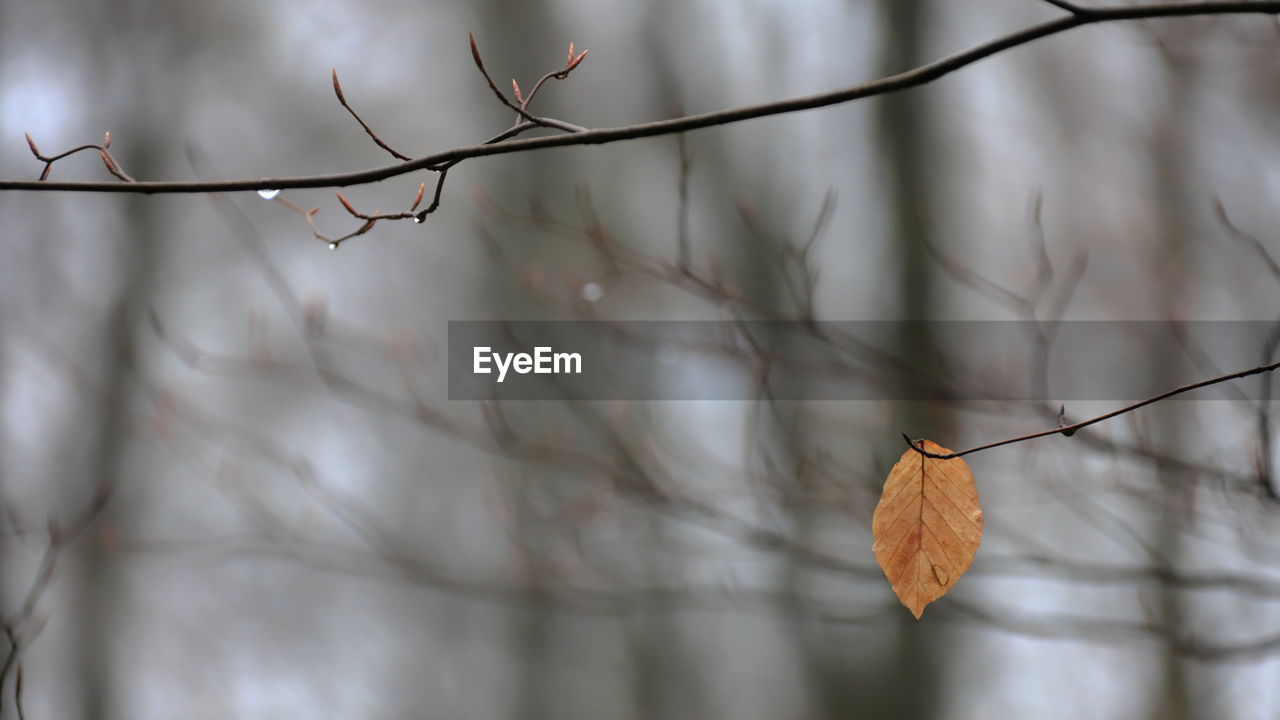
17, 691
112, 166
378, 214
337, 90
1069, 430
1248, 239
525, 122
435, 196
1043, 279
561, 74
518, 107
521, 104
442, 171
310, 215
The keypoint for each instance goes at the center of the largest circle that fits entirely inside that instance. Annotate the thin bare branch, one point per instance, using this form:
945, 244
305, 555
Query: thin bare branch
1246, 238
1070, 430
104, 154
521, 105
911, 78
337, 90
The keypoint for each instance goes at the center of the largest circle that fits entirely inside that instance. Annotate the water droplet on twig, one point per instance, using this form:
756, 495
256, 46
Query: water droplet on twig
333, 246
268, 194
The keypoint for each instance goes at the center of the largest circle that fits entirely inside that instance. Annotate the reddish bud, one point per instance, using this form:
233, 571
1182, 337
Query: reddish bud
516, 86
337, 89
346, 204
576, 61
475, 51
106, 139
32, 144
422, 188
570, 58
106, 160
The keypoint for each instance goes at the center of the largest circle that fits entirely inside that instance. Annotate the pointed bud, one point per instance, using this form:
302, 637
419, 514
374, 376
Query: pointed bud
106, 139
576, 61
516, 86
32, 144
337, 89
106, 160
570, 58
475, 51
417, 200
346, 204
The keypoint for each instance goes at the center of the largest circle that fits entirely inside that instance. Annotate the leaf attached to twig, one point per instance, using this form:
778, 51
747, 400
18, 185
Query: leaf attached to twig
927, 525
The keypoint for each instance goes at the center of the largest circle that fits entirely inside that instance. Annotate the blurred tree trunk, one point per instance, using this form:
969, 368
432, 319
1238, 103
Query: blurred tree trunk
100, 586
909, 685
1173, 167
519, 38
100, 613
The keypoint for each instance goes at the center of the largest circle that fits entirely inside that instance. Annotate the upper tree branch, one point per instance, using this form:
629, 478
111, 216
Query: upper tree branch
893, 83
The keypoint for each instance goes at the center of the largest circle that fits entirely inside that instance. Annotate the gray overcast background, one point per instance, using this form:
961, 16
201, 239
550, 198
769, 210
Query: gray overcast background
233, 486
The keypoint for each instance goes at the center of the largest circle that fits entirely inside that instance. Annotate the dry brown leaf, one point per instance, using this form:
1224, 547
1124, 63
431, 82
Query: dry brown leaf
927, 526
